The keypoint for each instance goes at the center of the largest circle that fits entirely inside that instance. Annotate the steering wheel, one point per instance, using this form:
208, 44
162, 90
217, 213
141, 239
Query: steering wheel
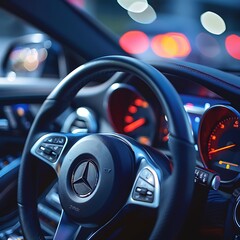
109, 183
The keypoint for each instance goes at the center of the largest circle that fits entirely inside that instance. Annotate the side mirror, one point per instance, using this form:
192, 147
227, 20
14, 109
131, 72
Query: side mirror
34, 55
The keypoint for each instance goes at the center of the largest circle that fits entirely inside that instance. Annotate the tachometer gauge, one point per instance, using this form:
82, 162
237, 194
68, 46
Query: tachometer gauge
219, 140
131, 114
138, 122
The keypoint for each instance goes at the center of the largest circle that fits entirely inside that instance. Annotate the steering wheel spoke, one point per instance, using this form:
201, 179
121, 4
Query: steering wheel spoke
146, 188
68, 229
51, 148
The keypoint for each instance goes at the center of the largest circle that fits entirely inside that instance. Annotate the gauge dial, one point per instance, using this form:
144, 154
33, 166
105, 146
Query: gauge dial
220, 142
131, 114
138, 122
224, 148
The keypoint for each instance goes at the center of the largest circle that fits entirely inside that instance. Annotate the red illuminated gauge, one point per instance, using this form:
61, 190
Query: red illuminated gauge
221, 150
224, 148
138, 121
163, 131
131, 114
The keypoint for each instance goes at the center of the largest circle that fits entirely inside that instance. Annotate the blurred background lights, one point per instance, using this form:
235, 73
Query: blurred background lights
136, 6
197, 119
146, 17
171, 45
77, 3
27, 59
31, 60
207, 45
11, 76
206, 106
134, 42
232, 44
213, 23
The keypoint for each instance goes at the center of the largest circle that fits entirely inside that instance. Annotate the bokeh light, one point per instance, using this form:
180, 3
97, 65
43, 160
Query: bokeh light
27, 59
134, 42
146, 17
171, 45
77, 3
213, 23
136, 6
207, 45
232, 44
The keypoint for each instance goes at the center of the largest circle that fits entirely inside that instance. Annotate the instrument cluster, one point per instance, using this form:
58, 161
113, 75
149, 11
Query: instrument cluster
219, 142
134, 111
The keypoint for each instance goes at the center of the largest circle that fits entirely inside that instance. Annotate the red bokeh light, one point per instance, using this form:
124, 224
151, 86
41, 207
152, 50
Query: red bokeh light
232, 44
134, 42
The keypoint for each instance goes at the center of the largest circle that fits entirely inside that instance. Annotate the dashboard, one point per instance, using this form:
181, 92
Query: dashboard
124, 104
129, 107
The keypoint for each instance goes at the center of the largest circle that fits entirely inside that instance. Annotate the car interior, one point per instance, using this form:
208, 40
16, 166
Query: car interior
119, 120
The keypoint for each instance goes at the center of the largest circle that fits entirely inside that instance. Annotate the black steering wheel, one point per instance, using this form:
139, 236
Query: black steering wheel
109, 183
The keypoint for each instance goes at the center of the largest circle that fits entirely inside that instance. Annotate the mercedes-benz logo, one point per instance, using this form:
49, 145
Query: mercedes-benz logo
85, 178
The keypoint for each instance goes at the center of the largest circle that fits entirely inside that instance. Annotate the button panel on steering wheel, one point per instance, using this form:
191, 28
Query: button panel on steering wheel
144, 187
50, 147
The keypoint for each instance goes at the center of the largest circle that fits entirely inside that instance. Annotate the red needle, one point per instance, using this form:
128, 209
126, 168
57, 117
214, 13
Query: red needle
134, 125
222, 148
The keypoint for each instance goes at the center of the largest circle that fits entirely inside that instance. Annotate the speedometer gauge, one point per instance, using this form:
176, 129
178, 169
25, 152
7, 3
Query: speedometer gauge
223, 148
219, 142
131, 114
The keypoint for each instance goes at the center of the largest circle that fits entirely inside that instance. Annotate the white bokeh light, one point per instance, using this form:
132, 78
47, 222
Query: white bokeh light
135, 6
146, 17
213, 23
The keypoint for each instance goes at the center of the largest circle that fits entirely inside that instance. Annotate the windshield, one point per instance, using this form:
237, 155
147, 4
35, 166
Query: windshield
200, 31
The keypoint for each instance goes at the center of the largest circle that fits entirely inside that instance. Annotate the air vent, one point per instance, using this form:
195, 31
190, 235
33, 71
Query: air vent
79, 125
83, 120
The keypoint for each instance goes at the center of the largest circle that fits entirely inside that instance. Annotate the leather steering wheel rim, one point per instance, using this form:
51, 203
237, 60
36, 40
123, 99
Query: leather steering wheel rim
181, 144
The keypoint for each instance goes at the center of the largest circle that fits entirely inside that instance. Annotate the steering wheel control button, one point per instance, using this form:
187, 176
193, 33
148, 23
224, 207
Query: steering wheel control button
85, 178
49, 151
142, 191
147, 176
49, 148
56, 140
144, 187
143, 195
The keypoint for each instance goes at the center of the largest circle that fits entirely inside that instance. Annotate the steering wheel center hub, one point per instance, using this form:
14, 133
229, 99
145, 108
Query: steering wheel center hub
85, 178
93, 171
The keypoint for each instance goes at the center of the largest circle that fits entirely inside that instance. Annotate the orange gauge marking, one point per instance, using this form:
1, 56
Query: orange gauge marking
128, 119
132, 109
165, 131
144, 140
228, 164
144, 104
222, 126
236, 124
214, 137
141, 103
222, 148
165, 138
134, 125
138, 102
